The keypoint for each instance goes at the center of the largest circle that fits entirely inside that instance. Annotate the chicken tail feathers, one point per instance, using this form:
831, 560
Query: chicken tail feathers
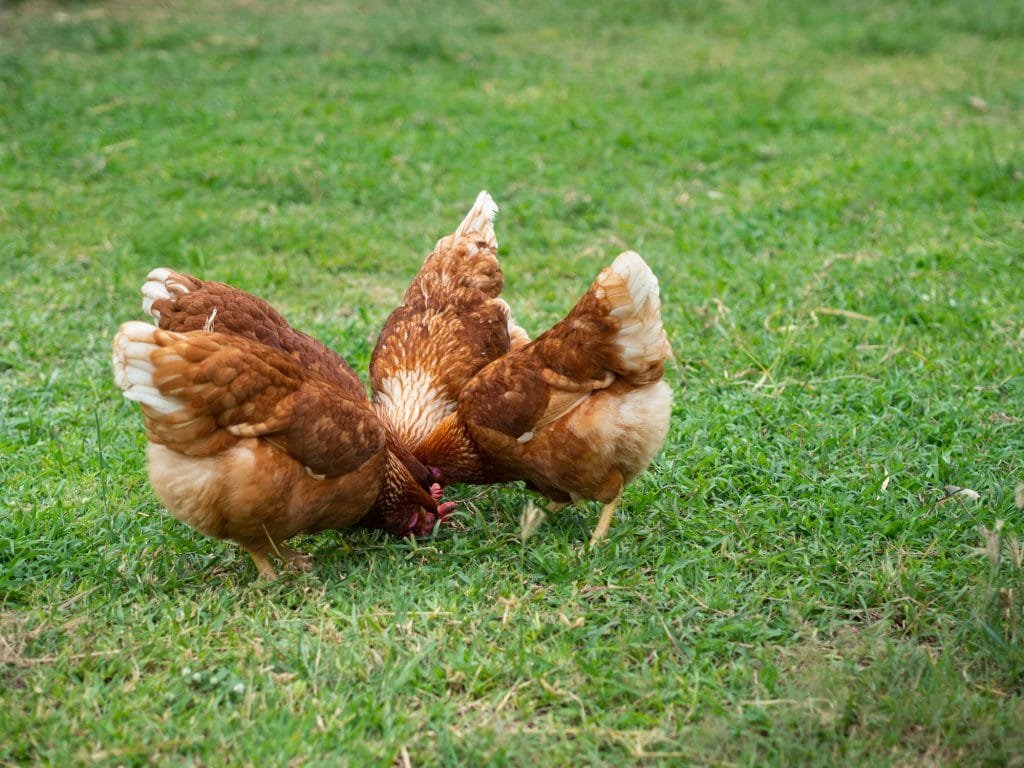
464, 262
134, 345
164, 284
480, 220
149, 369
629, 291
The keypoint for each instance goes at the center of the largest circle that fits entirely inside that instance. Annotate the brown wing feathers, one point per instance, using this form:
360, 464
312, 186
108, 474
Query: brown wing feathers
613, 332
214, 389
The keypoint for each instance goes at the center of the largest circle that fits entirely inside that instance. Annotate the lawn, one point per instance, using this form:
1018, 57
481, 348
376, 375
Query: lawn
831, 194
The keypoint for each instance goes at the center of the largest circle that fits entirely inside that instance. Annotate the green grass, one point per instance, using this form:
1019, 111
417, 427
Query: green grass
831, 194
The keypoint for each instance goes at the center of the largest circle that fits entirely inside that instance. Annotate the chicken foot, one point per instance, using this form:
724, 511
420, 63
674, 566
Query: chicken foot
295, 559
298, 560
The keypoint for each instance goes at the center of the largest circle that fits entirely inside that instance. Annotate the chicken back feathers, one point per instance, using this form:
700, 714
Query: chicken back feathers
451, 325
179, 302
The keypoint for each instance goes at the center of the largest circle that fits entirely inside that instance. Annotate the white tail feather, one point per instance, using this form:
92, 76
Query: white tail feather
640, 281
154, 289
481, 219
160, 284
133, 367
641, 338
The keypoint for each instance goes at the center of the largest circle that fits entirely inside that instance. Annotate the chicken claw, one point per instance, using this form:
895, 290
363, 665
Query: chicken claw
297, 560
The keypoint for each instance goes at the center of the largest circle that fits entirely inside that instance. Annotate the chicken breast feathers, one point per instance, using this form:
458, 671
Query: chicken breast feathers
451, 325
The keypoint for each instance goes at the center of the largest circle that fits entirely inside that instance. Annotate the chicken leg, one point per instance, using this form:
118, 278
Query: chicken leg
263, 565
607, 511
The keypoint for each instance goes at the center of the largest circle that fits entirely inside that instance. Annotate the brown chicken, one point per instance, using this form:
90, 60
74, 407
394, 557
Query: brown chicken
179, 302
257, 442
577, 413
451, 325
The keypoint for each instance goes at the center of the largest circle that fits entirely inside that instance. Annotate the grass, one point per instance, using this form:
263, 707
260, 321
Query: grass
831, 195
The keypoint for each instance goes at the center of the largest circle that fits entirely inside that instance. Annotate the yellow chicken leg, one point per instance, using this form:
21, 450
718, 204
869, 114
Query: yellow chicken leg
606, 519
263, 565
